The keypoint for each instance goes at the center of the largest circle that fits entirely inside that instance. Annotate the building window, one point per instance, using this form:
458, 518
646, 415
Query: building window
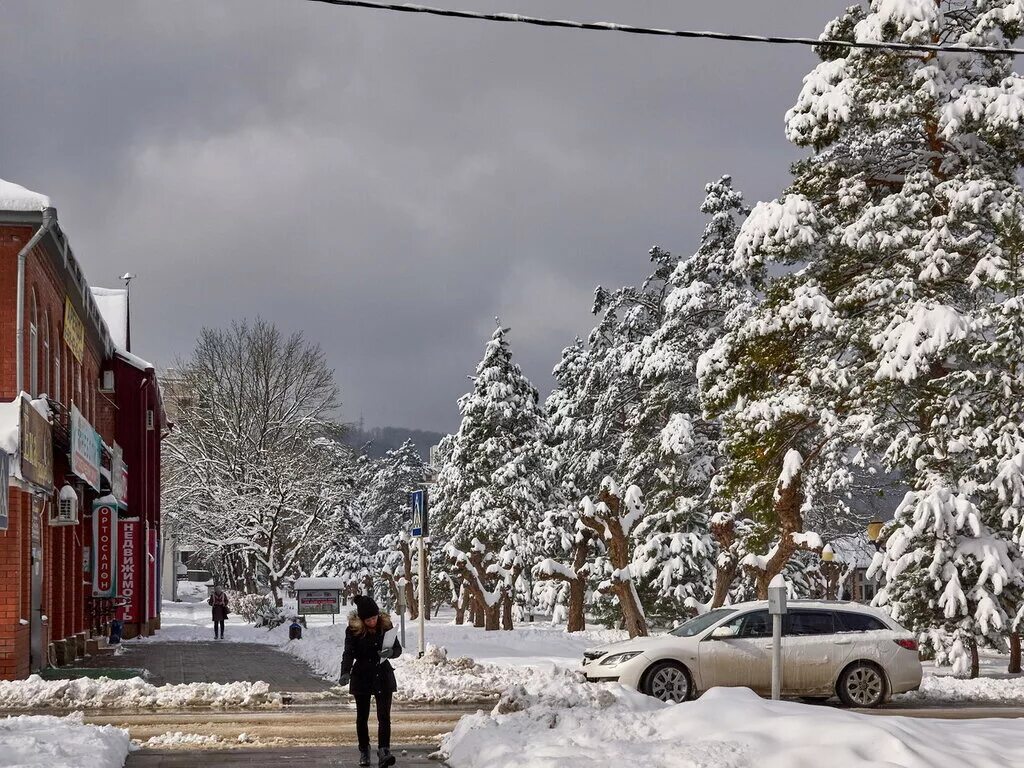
56, 371
33, 355
78, 384
46, 353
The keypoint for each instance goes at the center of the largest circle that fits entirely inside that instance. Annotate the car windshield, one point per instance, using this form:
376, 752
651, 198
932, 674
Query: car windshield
698, 624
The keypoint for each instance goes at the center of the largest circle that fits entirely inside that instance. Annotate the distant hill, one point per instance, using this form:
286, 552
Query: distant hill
384, 439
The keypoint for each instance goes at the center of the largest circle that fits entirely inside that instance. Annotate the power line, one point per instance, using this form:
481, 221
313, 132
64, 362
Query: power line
604, 26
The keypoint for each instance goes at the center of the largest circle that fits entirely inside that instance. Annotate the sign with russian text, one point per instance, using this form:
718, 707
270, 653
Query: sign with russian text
5, 463
74, 331
312, 601
153, 570
85, 449
104, 547
119, 476
36, 446
129, 573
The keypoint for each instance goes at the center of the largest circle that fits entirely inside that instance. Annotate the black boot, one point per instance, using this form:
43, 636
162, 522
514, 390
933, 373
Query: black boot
364, 756
384, 758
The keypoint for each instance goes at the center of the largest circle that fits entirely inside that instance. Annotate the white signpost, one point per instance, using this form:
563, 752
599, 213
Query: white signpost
777, 609
418, 501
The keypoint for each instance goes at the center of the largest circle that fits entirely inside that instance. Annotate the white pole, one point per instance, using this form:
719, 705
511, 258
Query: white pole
776, 657
423, 596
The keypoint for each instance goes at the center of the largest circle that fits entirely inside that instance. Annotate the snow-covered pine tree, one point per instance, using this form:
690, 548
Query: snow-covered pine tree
495, 482
669, 448
889, 253
386, 503
564, 566
348, 549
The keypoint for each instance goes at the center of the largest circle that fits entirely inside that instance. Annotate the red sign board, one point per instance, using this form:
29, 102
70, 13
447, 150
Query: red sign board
154, 580
130, 569
104, 548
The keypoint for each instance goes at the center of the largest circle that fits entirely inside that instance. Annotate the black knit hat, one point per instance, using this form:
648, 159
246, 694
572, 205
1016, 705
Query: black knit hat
365, 607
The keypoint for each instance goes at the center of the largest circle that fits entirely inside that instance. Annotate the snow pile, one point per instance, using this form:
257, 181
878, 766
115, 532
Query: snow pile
983, 690
172, 739
60, 742
726, 728
180, 739
438, 679
14, 197
36, 693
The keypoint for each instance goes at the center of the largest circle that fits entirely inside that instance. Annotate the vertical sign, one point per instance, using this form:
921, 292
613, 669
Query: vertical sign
154, 573
129, 569
418, 502
74, 331
118, 476
5, 464
104, 547
85, 449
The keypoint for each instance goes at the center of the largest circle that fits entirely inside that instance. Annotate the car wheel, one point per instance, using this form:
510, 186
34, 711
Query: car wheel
668, 681
861, 685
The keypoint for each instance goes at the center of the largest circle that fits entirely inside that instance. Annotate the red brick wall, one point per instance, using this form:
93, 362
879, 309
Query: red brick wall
14, 590
64, 594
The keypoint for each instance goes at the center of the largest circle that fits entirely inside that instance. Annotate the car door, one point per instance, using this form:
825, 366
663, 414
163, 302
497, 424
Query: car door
743, 660
812, 651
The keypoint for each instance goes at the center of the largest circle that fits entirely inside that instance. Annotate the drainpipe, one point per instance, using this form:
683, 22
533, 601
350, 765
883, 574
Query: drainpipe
49, 220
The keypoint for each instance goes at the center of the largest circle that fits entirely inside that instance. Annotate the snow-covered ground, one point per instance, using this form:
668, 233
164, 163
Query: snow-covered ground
86, 693
554, 725
60, 742
466, 664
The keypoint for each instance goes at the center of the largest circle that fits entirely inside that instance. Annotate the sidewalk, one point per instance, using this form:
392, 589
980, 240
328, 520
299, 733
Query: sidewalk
309, 757
214, 662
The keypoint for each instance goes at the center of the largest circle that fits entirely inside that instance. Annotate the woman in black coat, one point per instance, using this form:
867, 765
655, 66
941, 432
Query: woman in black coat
366, 671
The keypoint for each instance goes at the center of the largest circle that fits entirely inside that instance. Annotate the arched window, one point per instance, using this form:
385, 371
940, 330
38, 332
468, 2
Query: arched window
46, 353
58, 347
33, 341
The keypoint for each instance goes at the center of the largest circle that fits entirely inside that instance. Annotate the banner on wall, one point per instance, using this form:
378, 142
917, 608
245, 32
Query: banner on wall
74, 331
36, 441
118, 476
130, 568
153, 572
104, 547
4, 480
85, 449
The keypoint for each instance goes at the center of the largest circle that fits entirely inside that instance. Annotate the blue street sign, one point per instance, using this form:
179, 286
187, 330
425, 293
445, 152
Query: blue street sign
418, 502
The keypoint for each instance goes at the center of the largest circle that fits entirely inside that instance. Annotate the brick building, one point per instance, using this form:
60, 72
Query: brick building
62, 419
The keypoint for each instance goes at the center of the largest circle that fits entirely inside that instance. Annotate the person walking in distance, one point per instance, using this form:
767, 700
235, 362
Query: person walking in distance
219, 601
370, 641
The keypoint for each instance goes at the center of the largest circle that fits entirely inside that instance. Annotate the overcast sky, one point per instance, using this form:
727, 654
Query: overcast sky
388, 183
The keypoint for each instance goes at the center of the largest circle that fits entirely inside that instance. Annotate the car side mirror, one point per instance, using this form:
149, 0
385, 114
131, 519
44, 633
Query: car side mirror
723, 633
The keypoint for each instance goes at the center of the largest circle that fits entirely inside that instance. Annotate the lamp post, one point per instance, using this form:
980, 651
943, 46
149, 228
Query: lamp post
832, 569
875, 533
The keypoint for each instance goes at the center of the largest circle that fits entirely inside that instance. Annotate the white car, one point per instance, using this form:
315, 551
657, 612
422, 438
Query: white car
829, 648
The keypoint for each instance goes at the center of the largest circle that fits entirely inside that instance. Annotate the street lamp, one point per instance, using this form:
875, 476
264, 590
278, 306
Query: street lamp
832, 570
875, 532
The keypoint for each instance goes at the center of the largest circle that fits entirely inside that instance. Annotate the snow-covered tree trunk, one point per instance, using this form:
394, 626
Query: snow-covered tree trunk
613, 519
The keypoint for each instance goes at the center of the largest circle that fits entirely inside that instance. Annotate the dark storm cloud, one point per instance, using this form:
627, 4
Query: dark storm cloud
387, 183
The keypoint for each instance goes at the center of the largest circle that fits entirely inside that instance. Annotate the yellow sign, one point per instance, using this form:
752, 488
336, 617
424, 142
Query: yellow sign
74, 331
36, 446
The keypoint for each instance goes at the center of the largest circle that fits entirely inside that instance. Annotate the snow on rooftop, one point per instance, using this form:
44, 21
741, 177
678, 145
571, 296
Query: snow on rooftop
319, 583
134, 360
14, 197
113, 306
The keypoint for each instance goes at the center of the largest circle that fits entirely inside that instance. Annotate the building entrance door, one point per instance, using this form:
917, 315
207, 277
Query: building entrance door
37, 655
